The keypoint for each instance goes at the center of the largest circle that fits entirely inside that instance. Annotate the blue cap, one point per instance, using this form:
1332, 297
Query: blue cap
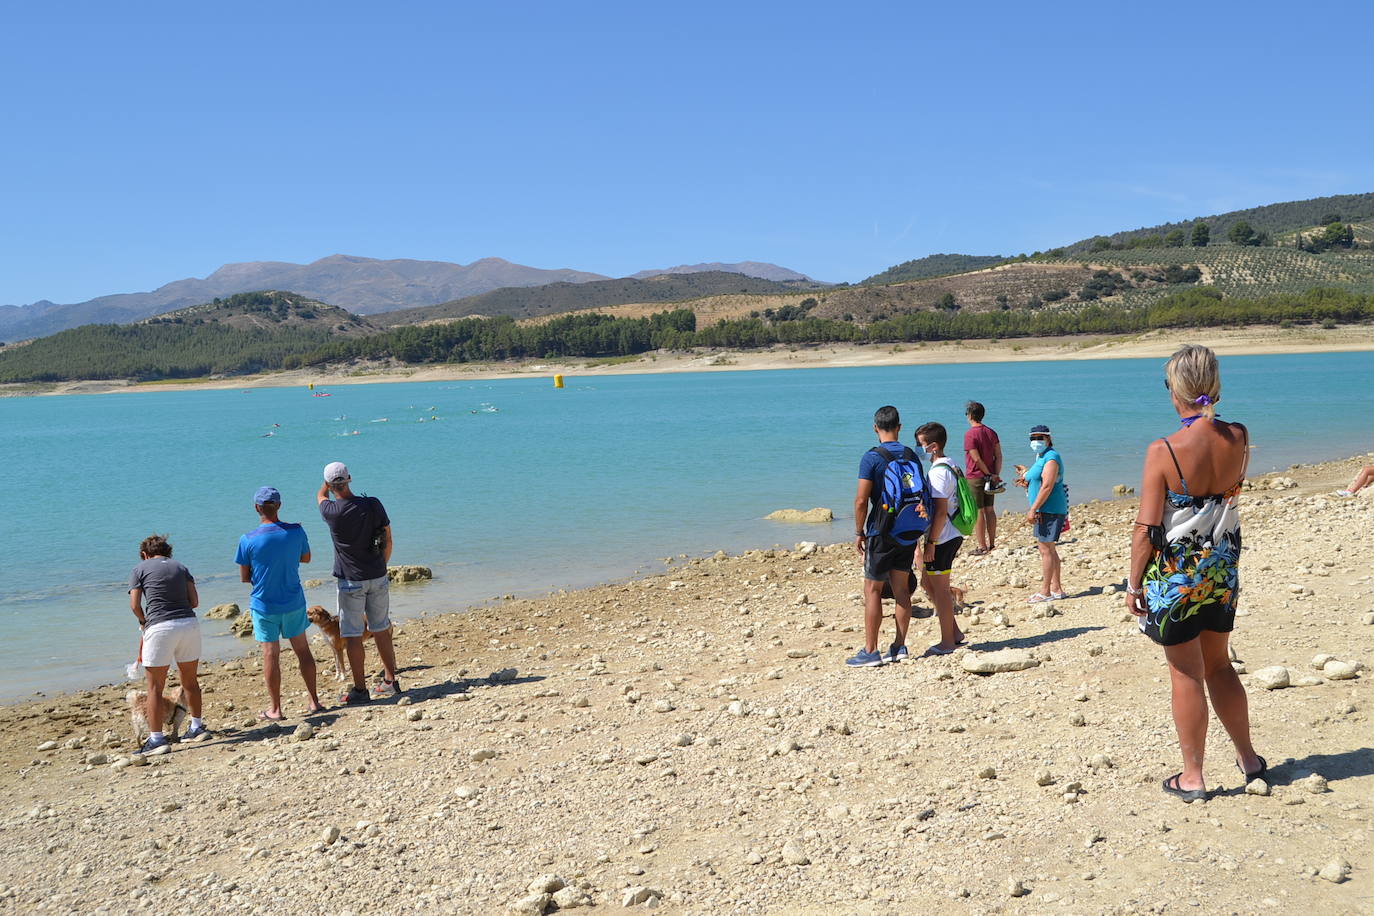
1040, 430
266, 495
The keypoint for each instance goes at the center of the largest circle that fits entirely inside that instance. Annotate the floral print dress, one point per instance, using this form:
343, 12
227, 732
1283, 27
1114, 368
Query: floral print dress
1193, 580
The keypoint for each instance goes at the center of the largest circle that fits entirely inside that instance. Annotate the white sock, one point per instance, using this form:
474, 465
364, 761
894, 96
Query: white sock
154, 736
195, 722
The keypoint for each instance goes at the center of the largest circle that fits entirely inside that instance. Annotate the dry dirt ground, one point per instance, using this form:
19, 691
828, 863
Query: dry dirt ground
692, 741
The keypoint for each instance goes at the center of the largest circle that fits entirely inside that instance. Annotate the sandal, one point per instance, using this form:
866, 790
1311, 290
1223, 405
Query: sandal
1188, 795
1255, 774
936, 650
264, 717
980, 551
1037, 598
1058, 596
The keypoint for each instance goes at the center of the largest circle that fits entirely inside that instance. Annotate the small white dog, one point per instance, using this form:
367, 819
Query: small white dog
174, 712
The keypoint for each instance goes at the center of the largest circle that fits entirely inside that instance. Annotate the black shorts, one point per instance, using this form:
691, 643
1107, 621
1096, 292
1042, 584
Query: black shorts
882, 557
944, 557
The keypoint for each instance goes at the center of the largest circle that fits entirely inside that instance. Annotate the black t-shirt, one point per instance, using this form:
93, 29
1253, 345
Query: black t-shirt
352, 524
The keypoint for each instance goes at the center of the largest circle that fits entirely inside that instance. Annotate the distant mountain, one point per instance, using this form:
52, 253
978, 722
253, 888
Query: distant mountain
362, 285
555, 298
246, 332
933, 265
760, 269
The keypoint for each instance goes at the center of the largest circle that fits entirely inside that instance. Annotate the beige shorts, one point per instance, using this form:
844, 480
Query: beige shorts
172, 641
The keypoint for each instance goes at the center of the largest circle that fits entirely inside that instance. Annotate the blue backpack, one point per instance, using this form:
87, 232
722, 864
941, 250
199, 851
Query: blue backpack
903, 504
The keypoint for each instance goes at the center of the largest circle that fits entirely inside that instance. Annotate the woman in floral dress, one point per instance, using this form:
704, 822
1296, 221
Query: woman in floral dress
1184, 580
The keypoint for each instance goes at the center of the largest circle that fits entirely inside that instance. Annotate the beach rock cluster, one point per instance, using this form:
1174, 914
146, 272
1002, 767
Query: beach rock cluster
401, 574
810, 516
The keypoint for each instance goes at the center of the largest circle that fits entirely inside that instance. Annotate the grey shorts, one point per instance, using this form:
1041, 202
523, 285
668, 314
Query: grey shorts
365, 599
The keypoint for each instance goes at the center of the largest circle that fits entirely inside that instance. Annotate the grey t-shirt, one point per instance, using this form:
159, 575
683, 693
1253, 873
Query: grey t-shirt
352, 523
165, 596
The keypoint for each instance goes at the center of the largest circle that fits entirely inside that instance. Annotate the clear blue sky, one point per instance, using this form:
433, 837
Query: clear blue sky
144, 143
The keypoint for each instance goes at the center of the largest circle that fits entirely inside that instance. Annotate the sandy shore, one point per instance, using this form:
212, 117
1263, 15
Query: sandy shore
693, 740
1155, 344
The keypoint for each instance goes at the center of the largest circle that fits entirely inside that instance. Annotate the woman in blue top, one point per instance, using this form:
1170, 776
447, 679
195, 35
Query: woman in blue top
1049, 509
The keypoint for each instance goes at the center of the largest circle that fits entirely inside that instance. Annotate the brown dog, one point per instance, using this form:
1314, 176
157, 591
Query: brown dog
329, 626
174, 713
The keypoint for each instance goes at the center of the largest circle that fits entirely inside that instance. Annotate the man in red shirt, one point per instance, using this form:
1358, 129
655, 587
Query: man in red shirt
983, 467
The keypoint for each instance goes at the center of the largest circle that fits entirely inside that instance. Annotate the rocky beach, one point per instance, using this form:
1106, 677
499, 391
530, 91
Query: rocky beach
692, 742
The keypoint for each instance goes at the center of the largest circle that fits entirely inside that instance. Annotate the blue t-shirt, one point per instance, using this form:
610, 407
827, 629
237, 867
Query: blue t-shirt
274, 551
871, 468
1058, 501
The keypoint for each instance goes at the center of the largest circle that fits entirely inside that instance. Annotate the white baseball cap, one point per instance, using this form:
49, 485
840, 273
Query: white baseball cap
336, 472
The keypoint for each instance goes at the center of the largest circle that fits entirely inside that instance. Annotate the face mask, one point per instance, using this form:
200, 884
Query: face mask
1039, 445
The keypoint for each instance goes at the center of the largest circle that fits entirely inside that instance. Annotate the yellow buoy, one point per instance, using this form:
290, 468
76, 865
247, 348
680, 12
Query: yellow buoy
558, 381
310, 387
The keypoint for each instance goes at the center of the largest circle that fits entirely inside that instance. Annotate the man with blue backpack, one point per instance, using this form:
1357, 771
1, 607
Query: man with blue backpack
891, 512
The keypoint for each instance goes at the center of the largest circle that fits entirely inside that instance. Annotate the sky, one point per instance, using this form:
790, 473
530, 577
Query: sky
145, 143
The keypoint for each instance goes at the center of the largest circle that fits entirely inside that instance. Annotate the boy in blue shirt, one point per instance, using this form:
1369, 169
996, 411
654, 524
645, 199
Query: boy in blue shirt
269, 557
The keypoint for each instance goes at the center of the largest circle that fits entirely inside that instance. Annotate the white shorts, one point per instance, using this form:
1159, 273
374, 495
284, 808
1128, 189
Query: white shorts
171, 641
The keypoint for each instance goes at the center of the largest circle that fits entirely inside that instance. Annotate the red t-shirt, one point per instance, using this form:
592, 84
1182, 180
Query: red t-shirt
985, 441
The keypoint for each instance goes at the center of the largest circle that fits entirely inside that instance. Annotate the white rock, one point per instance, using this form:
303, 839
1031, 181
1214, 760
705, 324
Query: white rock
1316, 784
571, 897
664, 706
1101, 762
304, 732
547, 884
580, 702
1338, 670
987, 773
1368, 619
1257, 786
638, 894
1335, 871
1272, 678
1044, 778
794, 854
415, 715
999, 661
97, 760
330, 835
1015, 888
531, 905
1320, 659
737, 708
481, 754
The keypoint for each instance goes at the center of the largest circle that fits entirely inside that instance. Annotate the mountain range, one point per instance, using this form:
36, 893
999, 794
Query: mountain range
366, 286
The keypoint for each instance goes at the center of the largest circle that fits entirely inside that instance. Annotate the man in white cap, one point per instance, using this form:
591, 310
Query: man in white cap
361, 532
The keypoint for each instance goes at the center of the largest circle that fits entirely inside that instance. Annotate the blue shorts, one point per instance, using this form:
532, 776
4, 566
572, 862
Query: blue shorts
274, 627
1050, 526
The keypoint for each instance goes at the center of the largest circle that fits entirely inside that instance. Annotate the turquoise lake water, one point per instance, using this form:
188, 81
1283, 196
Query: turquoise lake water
520, 488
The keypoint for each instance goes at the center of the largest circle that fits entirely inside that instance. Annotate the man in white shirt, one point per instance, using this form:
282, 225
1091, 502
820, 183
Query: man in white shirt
943, 539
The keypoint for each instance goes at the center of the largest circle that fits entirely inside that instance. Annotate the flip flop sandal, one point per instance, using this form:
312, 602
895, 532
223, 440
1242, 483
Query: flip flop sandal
1058, 596
936, 650
264, 717
1255, 774
1188, 795
1038, 598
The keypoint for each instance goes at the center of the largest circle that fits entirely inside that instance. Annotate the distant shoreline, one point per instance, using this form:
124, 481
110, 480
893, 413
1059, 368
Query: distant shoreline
1250, 341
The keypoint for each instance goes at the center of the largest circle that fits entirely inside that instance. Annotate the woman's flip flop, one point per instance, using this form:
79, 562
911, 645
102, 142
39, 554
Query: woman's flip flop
264, 717
1188, 795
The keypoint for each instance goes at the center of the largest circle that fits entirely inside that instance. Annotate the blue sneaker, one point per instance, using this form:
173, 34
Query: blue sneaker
897, 654
153, 744
865, 659
195, 731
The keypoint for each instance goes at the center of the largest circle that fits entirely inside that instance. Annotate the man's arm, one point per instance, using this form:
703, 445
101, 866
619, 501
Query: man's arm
386, 547
192, 595
323, 495
136, 603
996, 458
861, 498
245, 573
938, 515
979, 463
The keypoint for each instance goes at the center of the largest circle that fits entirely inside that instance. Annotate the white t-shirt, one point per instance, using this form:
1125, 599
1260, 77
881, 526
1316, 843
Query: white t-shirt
945, 485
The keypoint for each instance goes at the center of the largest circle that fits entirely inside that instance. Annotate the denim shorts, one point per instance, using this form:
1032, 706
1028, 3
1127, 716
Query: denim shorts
1050, 526
364, 599
274, 627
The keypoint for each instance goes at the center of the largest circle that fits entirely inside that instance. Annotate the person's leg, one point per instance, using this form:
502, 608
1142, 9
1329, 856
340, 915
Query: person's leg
873, 613
1187, 671
378, 608
1046, 566
989, 517
980, 526
189, 675
1363, 479
1228, 696
301, 646
900, 580
271, 674
157, 680
936, 585
357, 661
1056, 586
352, 617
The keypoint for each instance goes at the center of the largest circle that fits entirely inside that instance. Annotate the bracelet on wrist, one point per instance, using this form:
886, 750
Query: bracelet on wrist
1134, 592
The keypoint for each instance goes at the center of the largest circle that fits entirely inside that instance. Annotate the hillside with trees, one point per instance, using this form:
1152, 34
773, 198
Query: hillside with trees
933, 265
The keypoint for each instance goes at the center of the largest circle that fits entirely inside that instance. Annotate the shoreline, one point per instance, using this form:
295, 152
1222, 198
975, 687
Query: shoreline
1249, 341
692, 737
